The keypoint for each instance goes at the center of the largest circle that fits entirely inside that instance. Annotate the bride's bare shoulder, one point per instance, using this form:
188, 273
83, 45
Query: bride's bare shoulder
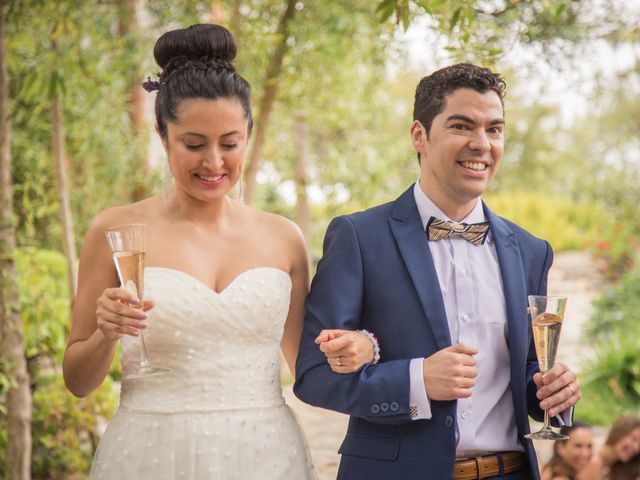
143, 211
276, 226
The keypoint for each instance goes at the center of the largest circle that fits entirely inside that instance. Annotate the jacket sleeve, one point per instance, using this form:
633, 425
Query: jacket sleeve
377, 393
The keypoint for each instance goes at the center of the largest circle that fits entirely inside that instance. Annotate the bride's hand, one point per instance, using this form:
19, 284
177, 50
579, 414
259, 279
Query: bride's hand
118, 313
346, 350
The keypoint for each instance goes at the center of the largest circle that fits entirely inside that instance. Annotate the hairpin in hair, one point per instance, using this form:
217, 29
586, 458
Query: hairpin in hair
150, 85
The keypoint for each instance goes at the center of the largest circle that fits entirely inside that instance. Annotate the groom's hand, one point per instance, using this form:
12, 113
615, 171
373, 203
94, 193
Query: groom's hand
558, 389
450, 373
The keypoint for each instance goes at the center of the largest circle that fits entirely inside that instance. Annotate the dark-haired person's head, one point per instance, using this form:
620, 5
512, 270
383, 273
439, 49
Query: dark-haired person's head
458, 135
572, 455
197, 63
624, 438
432, 91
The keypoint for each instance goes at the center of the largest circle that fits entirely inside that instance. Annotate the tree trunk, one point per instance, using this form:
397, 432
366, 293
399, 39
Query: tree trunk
301, 177
266, 103
12, 348
57, 146
129, 24
234, 23
218, 12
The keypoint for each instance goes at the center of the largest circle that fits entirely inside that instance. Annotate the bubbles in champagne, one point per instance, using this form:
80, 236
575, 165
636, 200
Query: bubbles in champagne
546, 335
130, 268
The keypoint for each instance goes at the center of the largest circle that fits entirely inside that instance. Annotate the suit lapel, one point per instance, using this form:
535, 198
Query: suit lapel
515, 293
406, 227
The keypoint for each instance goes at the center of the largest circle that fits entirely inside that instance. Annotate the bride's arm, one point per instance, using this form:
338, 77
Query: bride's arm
300, 287
90, 349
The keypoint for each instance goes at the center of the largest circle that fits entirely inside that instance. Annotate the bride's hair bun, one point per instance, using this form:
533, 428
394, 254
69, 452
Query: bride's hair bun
204, 44
196, 62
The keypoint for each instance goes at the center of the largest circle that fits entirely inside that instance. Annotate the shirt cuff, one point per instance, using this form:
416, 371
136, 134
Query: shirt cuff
565, 418
419, 405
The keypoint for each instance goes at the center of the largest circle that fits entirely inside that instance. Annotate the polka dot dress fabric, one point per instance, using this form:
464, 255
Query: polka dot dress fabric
219, 412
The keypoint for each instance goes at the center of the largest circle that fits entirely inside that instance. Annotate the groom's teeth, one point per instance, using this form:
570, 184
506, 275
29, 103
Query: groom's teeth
478, 166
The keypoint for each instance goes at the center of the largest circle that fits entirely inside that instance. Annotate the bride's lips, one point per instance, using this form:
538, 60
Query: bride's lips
210, 180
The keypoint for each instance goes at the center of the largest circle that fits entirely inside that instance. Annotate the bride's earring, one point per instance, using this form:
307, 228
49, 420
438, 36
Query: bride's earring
237, 190
166, 188
240, 188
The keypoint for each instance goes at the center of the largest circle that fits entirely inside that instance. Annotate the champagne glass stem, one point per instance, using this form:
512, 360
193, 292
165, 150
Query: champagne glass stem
545, 425
144, 360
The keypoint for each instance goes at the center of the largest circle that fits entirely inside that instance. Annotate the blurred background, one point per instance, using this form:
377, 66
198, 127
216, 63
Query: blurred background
333, 85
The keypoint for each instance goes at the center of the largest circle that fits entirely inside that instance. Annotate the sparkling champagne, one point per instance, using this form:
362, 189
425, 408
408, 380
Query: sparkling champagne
546, 335
130, 268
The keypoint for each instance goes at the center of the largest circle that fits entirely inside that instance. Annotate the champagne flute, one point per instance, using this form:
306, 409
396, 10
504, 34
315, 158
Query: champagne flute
128, 245
547, 315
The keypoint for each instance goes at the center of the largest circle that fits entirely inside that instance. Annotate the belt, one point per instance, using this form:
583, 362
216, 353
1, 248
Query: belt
487, 466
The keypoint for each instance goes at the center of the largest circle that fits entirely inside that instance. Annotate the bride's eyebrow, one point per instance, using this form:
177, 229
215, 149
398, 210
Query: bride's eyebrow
234, 132
192, 134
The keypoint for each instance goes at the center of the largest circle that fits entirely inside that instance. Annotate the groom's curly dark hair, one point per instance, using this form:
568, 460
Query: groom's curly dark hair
433, 89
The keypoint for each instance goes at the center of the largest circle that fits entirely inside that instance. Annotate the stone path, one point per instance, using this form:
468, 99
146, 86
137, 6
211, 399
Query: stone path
574, 274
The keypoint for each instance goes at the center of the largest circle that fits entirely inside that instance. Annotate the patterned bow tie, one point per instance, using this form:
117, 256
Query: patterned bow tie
476, 233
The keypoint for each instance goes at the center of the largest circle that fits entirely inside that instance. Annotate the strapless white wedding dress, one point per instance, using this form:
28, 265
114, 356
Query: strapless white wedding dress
219, 413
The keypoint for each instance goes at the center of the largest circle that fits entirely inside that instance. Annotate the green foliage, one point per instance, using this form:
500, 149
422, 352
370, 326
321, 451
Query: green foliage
58, 52
44, 303
617, 310
603, 151
480, 31
63, 428
339, 89
617, 248
565, 224
599, 406
611, 383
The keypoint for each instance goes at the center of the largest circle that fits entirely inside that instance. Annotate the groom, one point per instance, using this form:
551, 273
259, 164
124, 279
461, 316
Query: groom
447, 300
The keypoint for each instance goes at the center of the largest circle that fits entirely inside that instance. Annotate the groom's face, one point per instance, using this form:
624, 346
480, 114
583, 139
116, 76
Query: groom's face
461, 153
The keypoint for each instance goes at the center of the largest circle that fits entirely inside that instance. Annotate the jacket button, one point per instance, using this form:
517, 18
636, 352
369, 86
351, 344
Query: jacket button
375, 408
448, 421
384, 406
394, 406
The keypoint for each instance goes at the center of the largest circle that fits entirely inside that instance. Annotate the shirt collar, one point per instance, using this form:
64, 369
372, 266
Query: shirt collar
428, 209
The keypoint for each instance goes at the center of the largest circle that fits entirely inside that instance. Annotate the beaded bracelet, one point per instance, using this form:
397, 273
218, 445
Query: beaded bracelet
374, 342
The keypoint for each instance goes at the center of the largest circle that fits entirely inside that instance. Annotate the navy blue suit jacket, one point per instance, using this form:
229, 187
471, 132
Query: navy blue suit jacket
377, 273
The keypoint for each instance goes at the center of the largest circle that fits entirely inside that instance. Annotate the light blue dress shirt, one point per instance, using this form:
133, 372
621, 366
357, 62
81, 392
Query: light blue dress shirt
471, 284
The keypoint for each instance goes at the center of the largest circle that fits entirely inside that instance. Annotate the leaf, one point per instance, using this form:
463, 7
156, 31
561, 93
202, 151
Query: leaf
455, 18
424, 4
405, 16
385, 9
559, 11
31, 86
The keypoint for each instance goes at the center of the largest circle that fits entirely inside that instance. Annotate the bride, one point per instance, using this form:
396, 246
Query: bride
228, 285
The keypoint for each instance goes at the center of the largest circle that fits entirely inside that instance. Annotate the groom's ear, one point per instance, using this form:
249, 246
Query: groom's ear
418, 138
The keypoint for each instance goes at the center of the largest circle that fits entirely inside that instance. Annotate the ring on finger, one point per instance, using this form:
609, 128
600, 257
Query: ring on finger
573, 392
339, 360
